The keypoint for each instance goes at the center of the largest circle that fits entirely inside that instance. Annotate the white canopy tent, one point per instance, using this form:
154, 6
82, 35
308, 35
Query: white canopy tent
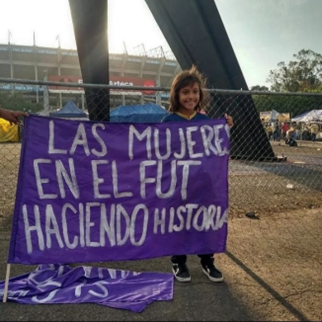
272, 116
311, 116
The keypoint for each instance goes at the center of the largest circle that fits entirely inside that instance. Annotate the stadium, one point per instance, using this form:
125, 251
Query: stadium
151, 69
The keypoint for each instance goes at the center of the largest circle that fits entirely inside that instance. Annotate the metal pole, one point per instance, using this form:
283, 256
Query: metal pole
46, 94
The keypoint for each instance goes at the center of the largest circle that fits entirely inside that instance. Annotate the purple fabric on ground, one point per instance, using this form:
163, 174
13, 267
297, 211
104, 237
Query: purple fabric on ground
50, 284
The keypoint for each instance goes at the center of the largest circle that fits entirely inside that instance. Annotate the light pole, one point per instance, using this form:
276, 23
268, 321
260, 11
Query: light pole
46, 95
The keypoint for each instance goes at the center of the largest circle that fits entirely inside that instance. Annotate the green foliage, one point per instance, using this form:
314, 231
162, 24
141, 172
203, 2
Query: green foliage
259, 88
304, 74
18, 102
300, 75
294, 105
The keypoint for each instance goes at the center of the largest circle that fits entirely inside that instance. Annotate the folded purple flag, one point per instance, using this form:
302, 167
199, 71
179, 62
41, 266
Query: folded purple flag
55, 283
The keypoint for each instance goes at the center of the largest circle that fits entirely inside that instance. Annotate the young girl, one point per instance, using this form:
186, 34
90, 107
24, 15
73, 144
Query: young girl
188, 99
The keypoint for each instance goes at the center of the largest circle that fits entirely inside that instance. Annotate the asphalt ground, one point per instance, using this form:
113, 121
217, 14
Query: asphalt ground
272, 269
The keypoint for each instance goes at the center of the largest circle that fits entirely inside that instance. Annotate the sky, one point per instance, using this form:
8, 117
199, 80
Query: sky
262, 32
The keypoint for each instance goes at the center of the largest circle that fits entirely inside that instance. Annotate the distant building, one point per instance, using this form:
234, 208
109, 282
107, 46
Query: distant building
62, 65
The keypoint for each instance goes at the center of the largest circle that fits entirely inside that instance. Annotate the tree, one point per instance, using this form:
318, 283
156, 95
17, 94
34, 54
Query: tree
301, 75
259, 88
294, 105
18, 102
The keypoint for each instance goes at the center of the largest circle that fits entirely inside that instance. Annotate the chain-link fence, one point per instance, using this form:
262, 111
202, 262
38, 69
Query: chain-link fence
276, 158
273, 265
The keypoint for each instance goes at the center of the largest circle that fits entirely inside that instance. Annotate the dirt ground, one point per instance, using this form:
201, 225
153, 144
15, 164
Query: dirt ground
272, 265
272, 269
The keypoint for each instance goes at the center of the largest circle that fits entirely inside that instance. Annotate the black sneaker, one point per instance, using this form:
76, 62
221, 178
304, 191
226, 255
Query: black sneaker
181, 273
212, 273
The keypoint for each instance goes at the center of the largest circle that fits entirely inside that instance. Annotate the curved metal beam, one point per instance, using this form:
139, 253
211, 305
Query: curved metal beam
90, 28
196, 35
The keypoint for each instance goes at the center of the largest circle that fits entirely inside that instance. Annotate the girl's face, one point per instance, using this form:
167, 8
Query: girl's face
189, 97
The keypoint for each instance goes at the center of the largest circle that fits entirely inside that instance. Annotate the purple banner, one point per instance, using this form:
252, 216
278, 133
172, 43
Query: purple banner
50, 284
97, 191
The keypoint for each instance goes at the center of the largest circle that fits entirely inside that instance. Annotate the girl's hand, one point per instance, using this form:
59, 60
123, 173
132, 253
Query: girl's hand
229, 120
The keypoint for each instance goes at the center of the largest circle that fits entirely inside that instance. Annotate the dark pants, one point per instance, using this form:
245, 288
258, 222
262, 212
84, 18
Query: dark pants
181, 259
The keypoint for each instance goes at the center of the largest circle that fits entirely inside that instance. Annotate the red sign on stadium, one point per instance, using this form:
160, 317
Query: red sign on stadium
114, 80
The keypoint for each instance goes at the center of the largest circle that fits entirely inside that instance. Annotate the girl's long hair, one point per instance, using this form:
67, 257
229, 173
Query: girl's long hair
188, 78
